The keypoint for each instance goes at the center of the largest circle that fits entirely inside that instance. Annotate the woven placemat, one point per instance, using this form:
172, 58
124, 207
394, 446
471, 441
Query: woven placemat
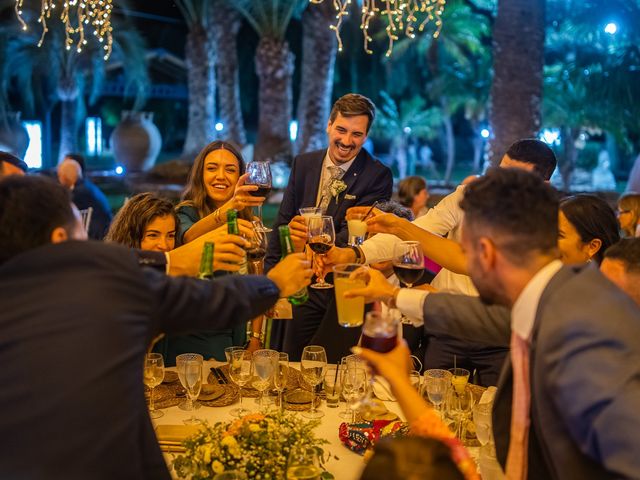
293, 382
166, 396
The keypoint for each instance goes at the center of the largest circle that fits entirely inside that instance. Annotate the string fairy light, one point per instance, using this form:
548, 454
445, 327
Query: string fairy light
78, 17
400, 15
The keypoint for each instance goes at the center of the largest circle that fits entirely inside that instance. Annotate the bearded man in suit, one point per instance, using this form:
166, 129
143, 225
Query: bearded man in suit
341, 176
566, 405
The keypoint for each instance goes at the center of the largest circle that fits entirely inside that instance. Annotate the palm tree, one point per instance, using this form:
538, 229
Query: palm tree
200, 55
42, 76
274, 66
518, 60
319, 47
225, 24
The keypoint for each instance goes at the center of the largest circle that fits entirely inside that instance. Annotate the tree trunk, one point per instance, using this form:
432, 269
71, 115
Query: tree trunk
226, 22
518, 58
274, 66
451, 147
319, 47
200, 56
68, 128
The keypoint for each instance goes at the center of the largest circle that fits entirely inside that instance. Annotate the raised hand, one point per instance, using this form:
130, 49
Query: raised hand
299, 232
242, 195
333, 257
377, 289
385, 223
291, 274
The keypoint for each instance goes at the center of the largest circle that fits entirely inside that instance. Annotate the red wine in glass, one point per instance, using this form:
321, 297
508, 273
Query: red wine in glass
262, 191
408, 274
380, 344
320, 247
256, 254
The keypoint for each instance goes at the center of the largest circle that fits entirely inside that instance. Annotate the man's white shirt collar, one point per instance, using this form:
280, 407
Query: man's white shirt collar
523, 313
329, 163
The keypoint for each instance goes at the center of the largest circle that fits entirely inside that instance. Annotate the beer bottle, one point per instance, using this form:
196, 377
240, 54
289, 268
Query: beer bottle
233, 229
206, 262
286, 245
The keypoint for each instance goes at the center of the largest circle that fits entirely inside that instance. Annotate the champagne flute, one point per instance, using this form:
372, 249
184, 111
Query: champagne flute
408, 262
312, 366
260, 175
153, 374
240, 373
281, 377
181, 361
303, 463
321, 238
264, 368
189, 366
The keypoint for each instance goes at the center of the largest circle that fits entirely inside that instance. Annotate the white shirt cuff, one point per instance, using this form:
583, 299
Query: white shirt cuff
168, 257
410, 302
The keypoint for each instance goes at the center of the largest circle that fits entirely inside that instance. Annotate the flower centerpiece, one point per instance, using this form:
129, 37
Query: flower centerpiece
256, 444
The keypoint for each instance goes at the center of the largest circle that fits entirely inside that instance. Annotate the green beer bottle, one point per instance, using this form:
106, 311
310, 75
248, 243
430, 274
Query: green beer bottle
286, 245
206, 262
233, 229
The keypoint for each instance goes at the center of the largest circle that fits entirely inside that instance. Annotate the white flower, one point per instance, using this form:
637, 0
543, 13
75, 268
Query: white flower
336, 187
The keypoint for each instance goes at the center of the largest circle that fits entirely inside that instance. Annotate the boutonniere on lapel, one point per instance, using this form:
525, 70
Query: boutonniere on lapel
336, 187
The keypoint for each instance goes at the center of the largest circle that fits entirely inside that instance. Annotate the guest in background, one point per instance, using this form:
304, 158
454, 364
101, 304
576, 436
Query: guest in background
216, 184
587, 226
413, 194
85, 194
629, 214
621, 265
11, 165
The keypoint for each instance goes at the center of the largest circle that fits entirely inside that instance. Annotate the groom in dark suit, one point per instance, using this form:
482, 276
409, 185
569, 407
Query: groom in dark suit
342, 176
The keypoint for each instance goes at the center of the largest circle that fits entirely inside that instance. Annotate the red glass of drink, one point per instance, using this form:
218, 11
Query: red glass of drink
380, 332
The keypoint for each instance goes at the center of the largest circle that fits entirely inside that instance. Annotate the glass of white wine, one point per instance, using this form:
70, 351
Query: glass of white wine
303, 463
153, 374
240, 373
312, 366
189, 366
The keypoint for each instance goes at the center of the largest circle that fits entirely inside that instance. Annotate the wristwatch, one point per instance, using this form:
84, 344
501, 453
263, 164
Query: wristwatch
256, 335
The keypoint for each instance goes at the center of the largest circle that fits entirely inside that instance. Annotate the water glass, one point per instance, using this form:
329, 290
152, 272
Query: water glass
354, 389
312, 366
436, 385
264, 367
153, 374
239, 362
333, 386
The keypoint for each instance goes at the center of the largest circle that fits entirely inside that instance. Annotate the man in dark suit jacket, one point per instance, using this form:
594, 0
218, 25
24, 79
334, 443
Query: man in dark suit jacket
365, 179
582, 334
76, 321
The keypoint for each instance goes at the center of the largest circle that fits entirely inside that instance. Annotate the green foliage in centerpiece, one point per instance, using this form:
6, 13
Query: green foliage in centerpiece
256, 444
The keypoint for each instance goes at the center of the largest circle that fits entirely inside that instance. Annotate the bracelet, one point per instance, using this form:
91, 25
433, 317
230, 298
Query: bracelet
256, 335
359, 256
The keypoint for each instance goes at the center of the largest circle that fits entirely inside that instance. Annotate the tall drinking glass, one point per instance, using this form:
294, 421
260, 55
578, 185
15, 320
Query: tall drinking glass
312, 366
265, 363
153, 374
189, 366
240, 373
281, 377
321, 237
350, 310
436, 384
408, 262
333, 386
260, 175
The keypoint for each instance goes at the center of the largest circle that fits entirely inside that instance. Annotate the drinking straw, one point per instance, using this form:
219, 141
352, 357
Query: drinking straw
370, 210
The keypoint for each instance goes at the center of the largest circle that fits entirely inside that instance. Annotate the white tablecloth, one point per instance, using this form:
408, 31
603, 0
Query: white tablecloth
347, 465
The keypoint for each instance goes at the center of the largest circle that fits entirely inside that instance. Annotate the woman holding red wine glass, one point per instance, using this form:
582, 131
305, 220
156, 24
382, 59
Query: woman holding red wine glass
260, 175
408, 262
321, 237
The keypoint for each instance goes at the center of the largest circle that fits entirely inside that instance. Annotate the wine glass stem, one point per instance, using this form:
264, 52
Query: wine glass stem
240, 397
313, 402
151, 400
260, 214
321, 278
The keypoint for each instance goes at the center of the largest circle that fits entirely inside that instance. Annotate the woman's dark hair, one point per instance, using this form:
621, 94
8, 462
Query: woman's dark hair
411, 458
408, 188
195, 193
592, 218
129, 224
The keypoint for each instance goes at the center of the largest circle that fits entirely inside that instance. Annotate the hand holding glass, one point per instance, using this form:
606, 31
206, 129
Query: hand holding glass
408, 262
260, 175
321, 237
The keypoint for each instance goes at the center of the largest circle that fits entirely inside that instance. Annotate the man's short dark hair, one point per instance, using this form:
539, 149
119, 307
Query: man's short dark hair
535, 152
32, 207
627, 251
353, 105
78, 158
516, 208
399, 210
13, 160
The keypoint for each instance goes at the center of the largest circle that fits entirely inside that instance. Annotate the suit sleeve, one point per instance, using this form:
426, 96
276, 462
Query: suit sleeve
286, 212
381, 189
183, 304
467, 318
592, 376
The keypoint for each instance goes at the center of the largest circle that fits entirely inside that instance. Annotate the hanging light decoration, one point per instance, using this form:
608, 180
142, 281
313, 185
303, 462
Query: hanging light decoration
400, 15
78, 17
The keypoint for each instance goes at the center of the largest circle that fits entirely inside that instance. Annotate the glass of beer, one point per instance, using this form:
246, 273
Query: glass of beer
350, 310
380, 332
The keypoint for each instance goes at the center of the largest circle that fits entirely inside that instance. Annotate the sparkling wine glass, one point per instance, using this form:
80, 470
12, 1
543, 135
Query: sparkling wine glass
321, 237
436, 384
303, 463
408, 262
264, 367
260, 175
281, 377
240, 373
354, 389
459, 406
189, 366
312, 366
153, 374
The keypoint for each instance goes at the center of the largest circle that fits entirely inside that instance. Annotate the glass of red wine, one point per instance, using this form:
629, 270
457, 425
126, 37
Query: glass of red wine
380, 332
322, 236
408, 262
257, 249
260, 175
